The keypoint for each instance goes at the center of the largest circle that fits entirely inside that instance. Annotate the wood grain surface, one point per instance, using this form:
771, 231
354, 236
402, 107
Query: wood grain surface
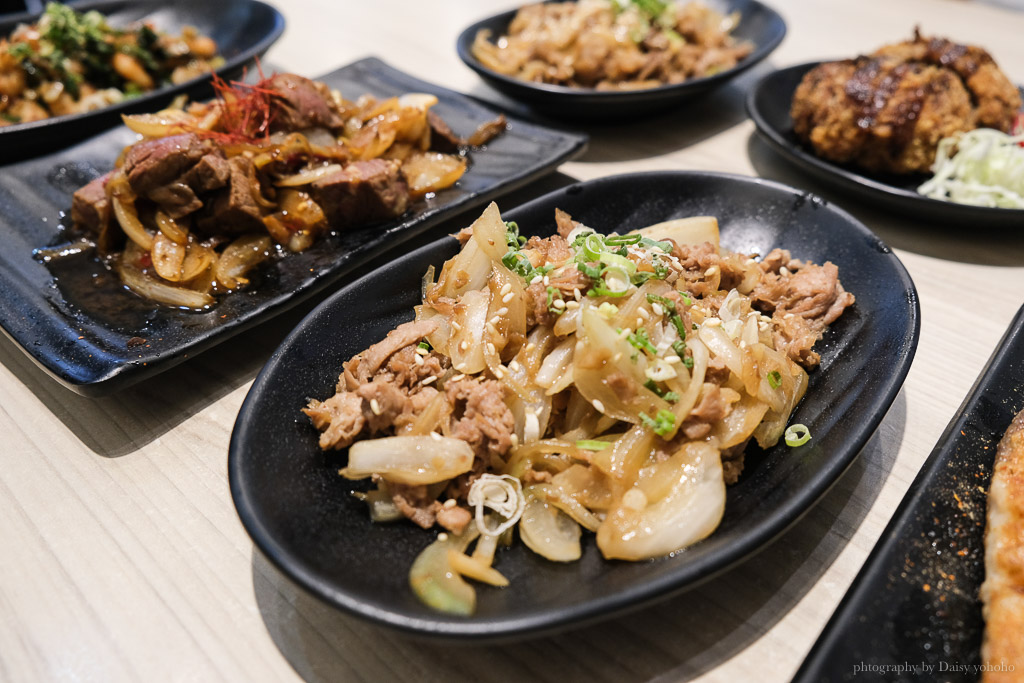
121, 557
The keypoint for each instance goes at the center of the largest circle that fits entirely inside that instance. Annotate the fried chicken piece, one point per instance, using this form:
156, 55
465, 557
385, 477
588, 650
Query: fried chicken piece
887, 112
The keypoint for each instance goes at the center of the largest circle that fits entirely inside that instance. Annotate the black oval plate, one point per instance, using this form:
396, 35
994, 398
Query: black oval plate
298, 509
243, 29
915, 601
79, 327
768, 104
758, 23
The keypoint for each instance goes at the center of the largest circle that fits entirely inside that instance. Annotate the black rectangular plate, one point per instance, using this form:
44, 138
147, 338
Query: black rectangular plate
75, 320
915, 601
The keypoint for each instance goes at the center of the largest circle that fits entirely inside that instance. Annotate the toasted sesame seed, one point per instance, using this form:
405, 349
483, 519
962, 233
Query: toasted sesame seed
576, 293
442, 536
495, 320
536, 280
530, 347
428, 380
783, 270
658, 310
491, 328
598, 405
499, 372
710, 272
490, 349
374, 406
456, 326
617, 357
508, 297
787, 316
743, 344
449, 504
713, 322
421, 351
639, 322
419, 359
625, 333
546, 281
464, 346
572, 305
514, 365
506, 289
642, 312
502, 311
435, 436
558, 303
515, 440
673, 359
460, 367
456, 378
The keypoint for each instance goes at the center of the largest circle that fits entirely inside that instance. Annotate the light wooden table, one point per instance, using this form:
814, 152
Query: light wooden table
121, 557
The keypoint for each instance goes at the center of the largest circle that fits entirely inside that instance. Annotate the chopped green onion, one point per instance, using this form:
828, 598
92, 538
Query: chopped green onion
593, 272
679, 346
661, 424
552, 291
664, 246
797, 435
669, 396
680, 327
667, 304
592, 444
774, 379
640, 340
616, 240
593, 246
425, 345
615, 261
688, 362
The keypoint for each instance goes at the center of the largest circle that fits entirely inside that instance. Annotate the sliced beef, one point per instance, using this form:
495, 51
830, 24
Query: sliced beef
362, 192
90, 210
566, 281
483, 419
175, 198
711, 408
487, 131
212, 172
152, 163
234, 210
443, 139
300, 103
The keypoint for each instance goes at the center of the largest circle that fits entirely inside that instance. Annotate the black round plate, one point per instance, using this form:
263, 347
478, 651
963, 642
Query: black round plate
243, 29
758, 23
768, 104
298, 509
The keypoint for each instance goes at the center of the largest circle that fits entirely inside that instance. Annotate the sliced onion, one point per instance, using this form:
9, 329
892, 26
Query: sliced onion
123, 201
168, 257
308, 175
435, 581
409, 459
431, 171
466, 347
695, 230
239, 258
549, 532
161, 124
171, 228
150, 288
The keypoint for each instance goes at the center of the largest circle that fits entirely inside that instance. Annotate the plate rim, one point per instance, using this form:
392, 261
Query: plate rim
583, 95
763, 534
229, 66
853, 180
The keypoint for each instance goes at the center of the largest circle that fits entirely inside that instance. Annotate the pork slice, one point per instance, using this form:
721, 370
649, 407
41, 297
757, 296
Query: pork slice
454, 519
711, 408
374, 357
151, 163
339, 418
486, 423
90, 210
385, 402
300, 103
566, 282
414, 502
362, 192
407, 372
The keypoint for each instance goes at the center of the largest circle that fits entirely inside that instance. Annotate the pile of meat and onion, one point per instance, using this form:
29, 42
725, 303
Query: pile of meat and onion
71, 62
613, 45
603, 382
212, 190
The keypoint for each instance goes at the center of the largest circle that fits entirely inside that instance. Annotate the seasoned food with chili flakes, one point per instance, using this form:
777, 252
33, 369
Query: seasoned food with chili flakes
579, 381
887, 112
214, 189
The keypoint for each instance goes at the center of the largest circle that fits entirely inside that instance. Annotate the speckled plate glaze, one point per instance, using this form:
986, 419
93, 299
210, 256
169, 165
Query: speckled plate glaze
243, 29
915, 600
759, 24
301, 515
77, 321
768, 104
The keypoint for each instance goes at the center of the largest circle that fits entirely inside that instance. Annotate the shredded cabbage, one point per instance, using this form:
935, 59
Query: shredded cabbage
983, 167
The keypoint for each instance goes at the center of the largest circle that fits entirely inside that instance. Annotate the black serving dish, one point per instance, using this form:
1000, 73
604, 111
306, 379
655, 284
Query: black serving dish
758, 23
80, 325
915, 601
768, 104
301, 515
243, 30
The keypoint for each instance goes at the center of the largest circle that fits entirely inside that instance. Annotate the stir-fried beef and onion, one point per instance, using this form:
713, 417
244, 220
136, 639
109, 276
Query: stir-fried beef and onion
614, 44
72, 62
210, 190
603, 382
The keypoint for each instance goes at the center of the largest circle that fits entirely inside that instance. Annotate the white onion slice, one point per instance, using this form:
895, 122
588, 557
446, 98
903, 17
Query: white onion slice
409, 459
